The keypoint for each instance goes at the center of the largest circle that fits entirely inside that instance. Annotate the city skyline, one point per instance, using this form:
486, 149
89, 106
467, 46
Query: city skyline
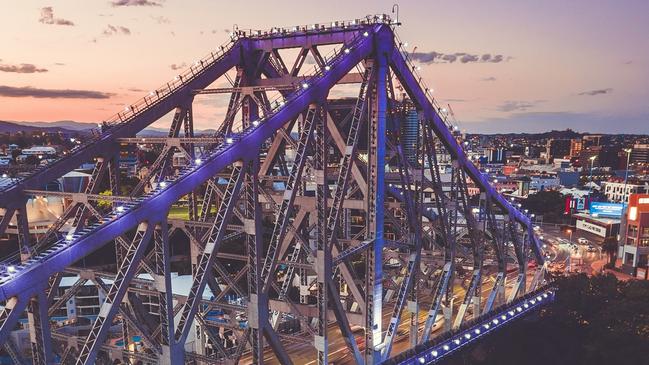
506, 66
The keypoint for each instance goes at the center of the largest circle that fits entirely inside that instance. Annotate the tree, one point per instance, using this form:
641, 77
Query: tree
105, 204
610, 248
550, 204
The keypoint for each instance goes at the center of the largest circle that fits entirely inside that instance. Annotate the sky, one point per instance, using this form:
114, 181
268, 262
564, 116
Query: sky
503, 66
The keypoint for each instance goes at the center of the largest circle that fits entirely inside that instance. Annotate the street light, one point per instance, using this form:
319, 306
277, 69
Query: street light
570, 232
590, 188
626, 176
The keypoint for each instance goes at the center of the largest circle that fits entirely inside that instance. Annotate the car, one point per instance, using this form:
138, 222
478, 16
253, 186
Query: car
591, 248
582, 241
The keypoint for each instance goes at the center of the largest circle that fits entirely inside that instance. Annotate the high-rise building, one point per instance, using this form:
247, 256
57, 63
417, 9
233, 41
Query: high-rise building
611, 156
497, 155
591, 140
640, 154
558, 148
618, 192
634, 243
576, 146
409, 134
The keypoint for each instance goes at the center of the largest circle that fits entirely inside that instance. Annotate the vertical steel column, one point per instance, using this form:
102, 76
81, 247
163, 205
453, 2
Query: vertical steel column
39, 329
113, 173
376, 194
323, 253
413, 302
257, 299
23, 233
162, 281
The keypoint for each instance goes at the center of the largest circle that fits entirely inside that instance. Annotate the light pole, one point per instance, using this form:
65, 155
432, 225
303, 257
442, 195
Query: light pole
590, 178
626, 176
570, 233
396, 6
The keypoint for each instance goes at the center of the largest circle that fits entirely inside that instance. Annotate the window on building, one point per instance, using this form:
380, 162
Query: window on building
633, 231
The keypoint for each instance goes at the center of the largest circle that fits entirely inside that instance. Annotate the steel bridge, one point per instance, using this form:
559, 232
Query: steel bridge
367, 243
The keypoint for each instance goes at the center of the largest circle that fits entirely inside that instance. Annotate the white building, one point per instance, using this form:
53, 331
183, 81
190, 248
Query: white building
545, 183
617, 193
39, 150
41, 213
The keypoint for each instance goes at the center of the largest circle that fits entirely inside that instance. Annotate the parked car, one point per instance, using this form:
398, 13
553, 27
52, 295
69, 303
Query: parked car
582, 241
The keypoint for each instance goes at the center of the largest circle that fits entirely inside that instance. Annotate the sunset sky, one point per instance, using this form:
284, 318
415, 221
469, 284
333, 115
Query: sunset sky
515, 65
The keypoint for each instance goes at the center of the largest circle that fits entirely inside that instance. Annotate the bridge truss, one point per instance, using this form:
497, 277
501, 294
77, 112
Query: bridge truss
356, 230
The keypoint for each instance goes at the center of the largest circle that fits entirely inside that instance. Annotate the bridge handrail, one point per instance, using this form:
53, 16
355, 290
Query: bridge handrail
357, 23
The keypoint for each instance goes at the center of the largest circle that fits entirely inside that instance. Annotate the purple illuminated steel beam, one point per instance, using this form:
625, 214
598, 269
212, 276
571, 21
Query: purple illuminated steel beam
402, 70
153, 207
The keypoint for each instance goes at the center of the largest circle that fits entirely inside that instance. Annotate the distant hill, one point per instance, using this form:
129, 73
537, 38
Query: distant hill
565, 134
67, 124
12, 127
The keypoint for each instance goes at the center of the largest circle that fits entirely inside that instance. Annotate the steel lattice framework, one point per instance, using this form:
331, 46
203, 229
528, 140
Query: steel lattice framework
319, 234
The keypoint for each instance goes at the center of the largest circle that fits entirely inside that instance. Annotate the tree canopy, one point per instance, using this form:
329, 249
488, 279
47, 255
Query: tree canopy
596, 320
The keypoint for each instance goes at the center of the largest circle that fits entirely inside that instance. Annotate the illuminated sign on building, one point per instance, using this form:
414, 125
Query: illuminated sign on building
592, 228
599, 209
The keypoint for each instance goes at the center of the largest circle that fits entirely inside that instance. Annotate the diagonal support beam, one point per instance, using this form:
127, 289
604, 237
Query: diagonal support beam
109, 308
283, 217
208, 256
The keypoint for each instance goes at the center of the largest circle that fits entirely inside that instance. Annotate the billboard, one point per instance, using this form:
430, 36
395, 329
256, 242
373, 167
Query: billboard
592, 228
600, 209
